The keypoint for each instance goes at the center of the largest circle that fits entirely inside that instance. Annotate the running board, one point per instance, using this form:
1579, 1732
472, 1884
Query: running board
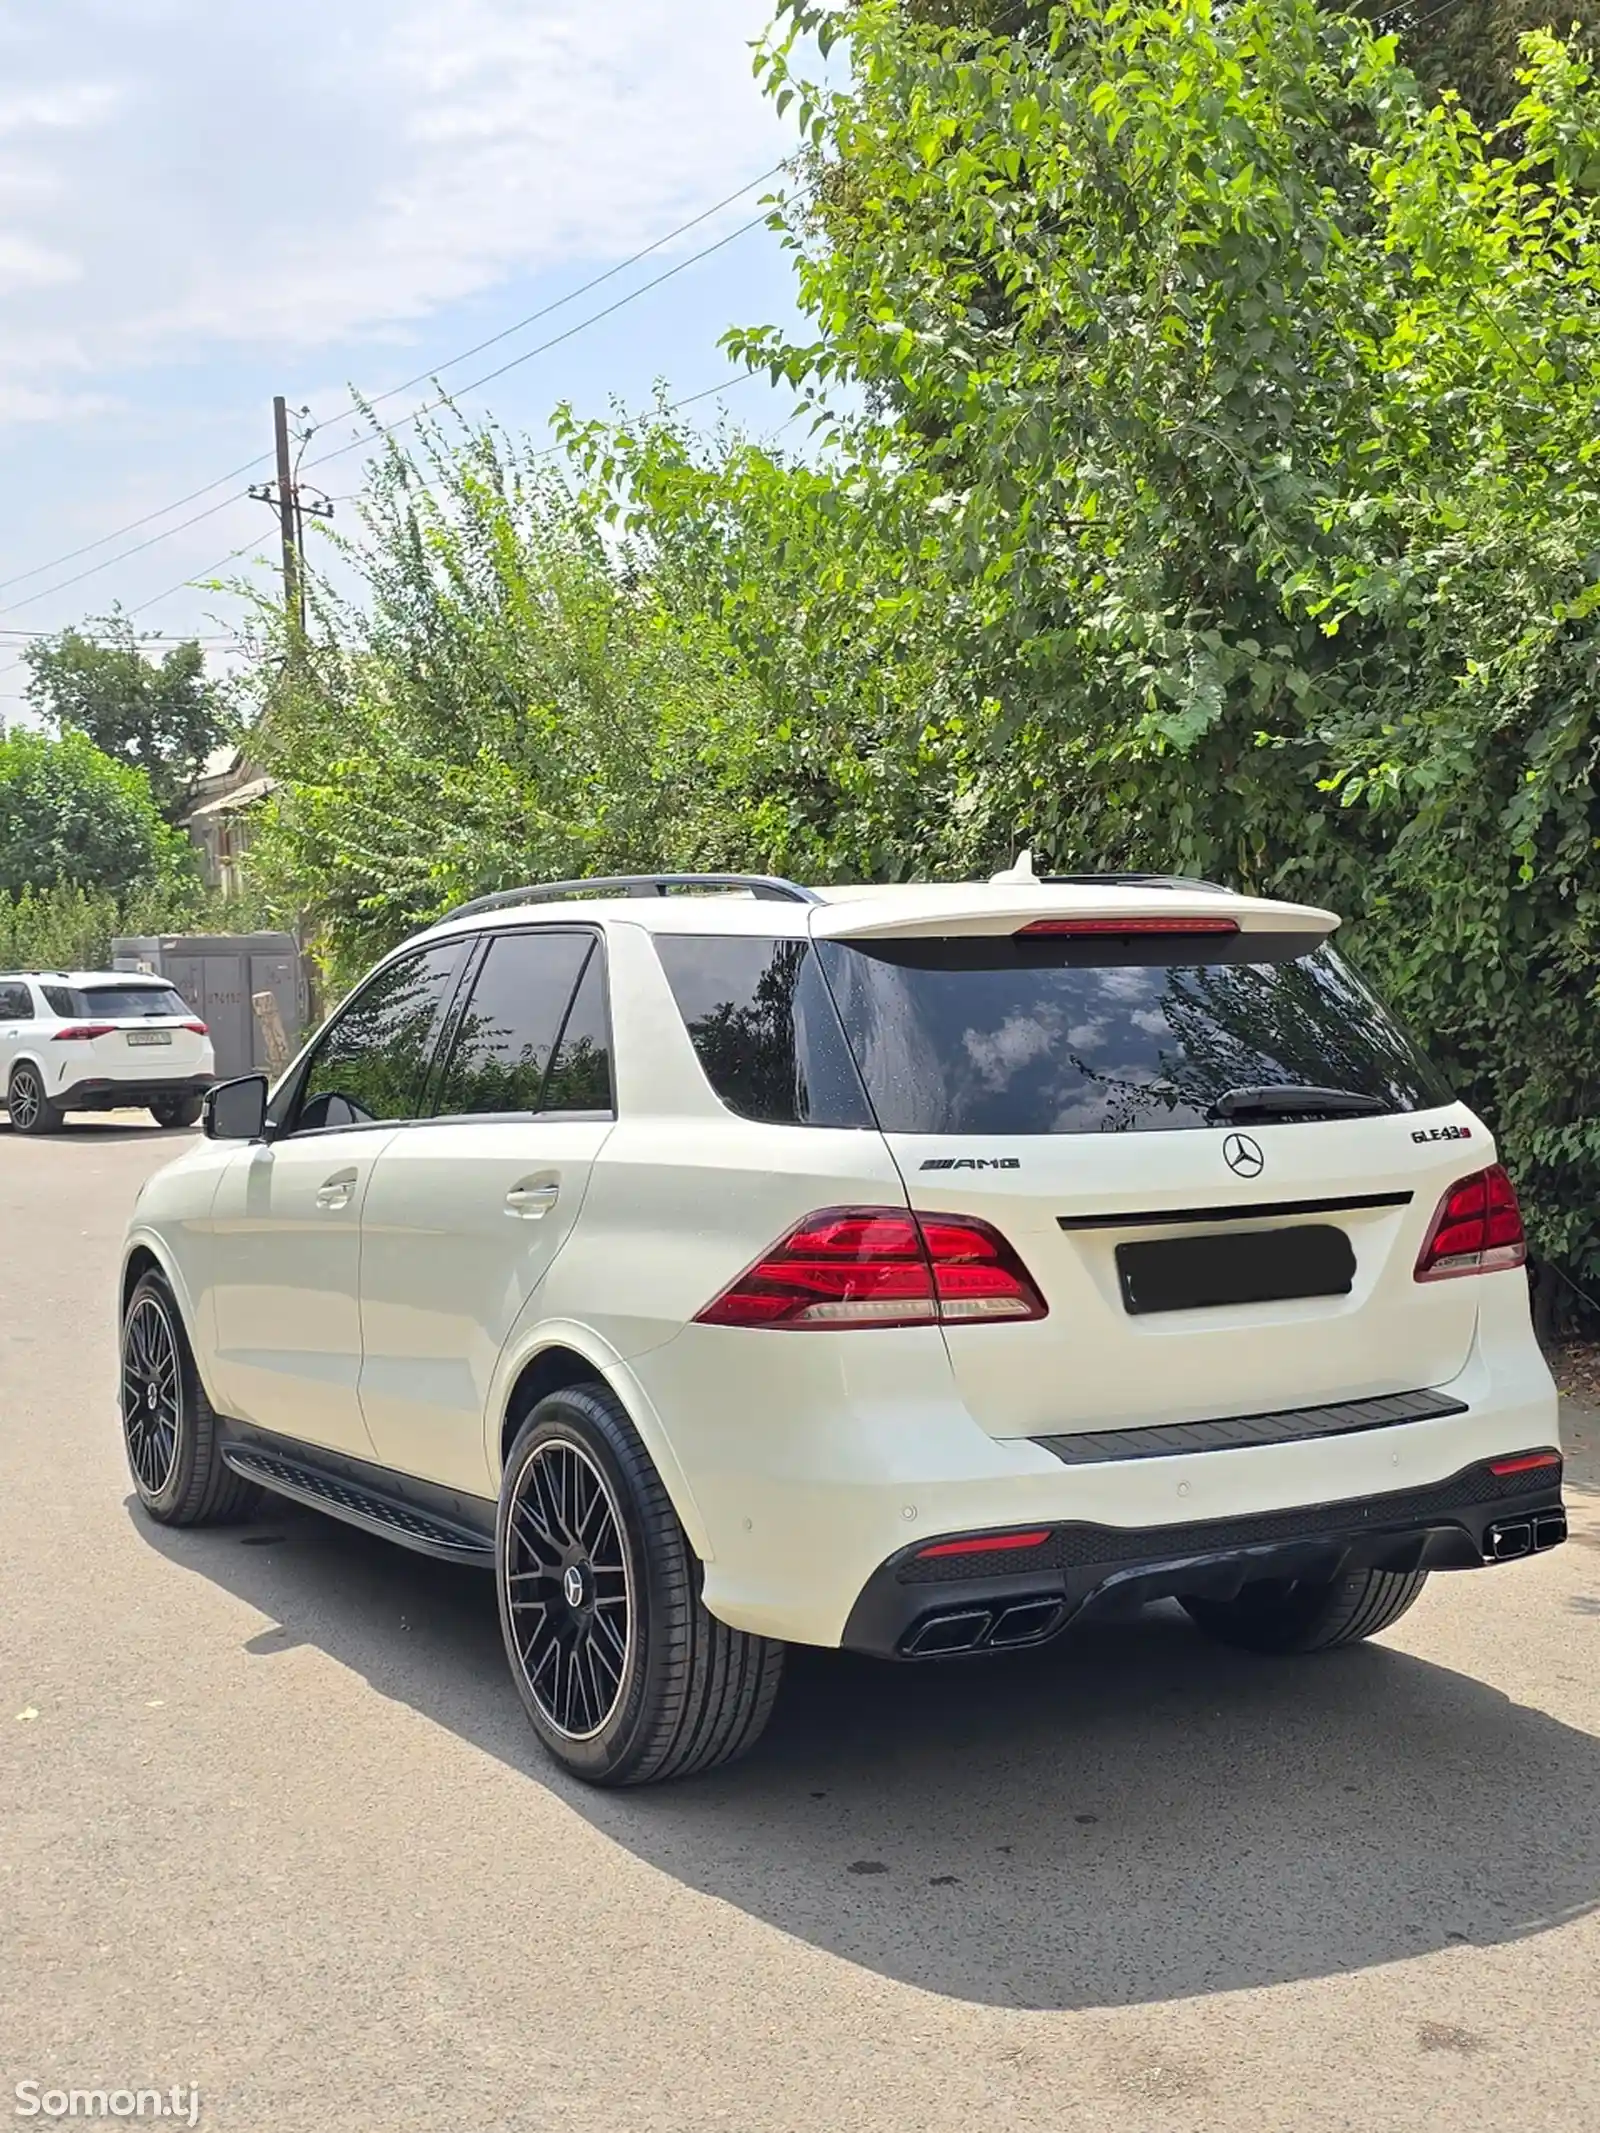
359, 1506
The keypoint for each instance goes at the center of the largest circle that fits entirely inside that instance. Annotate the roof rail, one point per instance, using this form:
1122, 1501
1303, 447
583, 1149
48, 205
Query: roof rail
763, 886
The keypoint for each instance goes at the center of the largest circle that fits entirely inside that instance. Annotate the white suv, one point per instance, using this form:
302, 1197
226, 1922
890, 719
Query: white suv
911, 1269
99, 1040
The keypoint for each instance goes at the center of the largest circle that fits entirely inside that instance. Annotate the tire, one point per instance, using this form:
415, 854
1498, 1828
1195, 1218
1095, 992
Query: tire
31, 1110
626, 1677
173, 1111
171, 1439
1292, 1615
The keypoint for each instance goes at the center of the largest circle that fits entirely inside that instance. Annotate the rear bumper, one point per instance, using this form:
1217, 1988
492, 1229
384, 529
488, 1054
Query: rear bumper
809, 1478
105, 1094
914, 1608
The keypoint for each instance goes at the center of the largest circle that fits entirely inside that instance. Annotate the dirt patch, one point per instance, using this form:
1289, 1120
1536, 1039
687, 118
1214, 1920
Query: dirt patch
1576, 1368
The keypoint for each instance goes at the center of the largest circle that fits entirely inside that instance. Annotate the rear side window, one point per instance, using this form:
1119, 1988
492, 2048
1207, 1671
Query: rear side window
116, 1003
16, 1003
982, 1035
764, 1028
524, 1000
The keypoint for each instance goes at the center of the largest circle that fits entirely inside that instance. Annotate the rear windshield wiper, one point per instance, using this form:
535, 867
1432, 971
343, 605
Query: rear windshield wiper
1295, 1100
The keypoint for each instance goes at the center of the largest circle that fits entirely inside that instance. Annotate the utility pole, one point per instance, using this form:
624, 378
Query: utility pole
294, 605
287, 498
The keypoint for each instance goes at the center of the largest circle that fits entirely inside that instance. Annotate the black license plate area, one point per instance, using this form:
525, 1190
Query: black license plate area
1236, 1267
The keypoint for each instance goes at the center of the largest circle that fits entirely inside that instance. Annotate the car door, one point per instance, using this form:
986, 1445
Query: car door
286, 1222
466, 1212
16, 1014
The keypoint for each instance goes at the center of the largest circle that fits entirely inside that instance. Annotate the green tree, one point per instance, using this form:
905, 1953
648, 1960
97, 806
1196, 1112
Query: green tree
160, 716
503, 698
1236, 407
71, 817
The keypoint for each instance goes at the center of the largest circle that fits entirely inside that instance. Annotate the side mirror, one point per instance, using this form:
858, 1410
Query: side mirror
236, 1110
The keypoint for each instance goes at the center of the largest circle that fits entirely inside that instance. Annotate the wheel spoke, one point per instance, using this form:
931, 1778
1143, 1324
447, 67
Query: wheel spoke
565, 1589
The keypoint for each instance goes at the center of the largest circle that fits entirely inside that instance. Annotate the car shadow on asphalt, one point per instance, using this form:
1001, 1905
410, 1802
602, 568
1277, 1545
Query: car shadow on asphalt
1131, 1815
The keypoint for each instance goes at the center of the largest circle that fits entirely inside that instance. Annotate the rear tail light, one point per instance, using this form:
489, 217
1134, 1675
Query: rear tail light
81, 1032
197, 1028
879, 1266
1476, 1230
1116, 927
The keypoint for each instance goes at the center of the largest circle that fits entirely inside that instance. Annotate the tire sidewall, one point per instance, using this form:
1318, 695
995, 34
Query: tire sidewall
163, 1503
41, 1121
582, 1418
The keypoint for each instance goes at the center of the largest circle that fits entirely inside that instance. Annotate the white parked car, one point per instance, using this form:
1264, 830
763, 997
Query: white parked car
912, 1269
99, 1040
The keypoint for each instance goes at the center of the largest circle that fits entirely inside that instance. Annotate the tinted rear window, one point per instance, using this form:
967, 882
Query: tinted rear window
764, 1028
118, 1003
1007, 1036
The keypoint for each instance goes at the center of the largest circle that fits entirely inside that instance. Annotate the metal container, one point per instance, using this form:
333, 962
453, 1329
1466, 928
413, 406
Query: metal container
233, 982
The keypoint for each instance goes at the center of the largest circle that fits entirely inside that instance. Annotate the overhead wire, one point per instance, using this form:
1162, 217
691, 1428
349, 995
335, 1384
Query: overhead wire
389, 393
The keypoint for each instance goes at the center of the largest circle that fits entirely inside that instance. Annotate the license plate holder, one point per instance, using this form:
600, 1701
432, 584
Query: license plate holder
1235, 1267
149, 1036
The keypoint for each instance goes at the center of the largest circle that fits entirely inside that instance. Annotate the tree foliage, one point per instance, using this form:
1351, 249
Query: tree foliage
160, 716
1245, 402
1215, 488
502, 699
71, 817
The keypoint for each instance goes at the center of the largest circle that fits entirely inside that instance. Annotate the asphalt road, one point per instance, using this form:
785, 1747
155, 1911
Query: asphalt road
271, 1824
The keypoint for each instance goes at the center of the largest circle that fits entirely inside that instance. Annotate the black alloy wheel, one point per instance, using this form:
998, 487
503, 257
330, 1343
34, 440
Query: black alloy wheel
169, 1428
625, 1674
150, 1393
568, 1592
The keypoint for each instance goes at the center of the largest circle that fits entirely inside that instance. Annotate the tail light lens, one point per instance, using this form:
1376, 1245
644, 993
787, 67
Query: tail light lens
1476, 1230
81, 1032
879, 1266
197, 1029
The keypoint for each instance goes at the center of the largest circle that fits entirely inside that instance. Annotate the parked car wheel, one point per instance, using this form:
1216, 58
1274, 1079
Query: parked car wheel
1290, 1615
31, 1110
169, 1427
626, 1676
172, 1111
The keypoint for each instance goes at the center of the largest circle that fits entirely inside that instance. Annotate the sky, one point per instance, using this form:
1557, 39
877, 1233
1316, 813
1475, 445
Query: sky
205, 202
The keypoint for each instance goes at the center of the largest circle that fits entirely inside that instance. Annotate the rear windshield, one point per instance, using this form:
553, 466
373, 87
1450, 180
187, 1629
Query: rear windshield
1042, 1036
115, 1003
976, 1035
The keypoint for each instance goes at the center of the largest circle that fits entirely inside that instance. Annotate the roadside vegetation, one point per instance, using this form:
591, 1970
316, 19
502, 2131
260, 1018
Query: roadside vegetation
1202, 475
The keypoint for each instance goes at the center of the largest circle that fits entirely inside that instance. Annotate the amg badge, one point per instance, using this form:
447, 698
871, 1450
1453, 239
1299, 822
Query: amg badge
972, 1162
1442, 1133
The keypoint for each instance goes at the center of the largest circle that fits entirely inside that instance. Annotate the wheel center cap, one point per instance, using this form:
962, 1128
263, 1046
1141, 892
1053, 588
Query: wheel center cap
574, 1586
150, 1396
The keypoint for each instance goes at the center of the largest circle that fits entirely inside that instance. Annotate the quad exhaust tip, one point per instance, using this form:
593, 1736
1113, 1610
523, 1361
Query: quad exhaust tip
971, 1629
1510, 1538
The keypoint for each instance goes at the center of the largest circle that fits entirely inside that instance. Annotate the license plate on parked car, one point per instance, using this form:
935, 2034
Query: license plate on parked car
149, 1036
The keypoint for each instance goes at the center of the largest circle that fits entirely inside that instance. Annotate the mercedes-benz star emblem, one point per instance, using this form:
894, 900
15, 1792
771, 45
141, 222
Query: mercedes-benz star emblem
1243, 1156
572, 1586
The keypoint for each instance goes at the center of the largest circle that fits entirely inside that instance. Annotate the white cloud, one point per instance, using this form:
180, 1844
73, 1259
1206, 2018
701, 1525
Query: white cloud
168, 207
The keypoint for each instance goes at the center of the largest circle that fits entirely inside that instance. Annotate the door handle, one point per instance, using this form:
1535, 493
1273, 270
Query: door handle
335, 1192
530, 1201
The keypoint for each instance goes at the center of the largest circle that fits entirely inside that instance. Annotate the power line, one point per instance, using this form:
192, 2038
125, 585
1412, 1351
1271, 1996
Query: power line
111, 561
133, 526
706, 392
423, 377
449, 363
594, 318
